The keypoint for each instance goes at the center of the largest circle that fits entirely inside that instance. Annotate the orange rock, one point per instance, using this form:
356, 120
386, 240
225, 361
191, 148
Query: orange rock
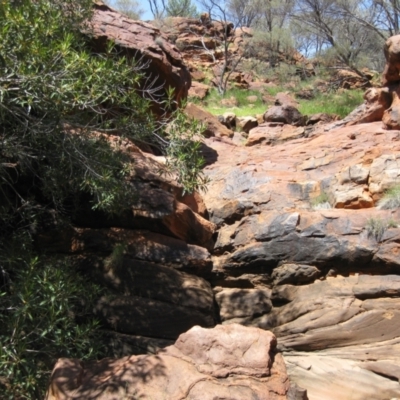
229, 361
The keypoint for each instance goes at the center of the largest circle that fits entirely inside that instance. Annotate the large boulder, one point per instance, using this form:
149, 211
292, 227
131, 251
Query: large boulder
377, 100
246, 123
272, 133
198, 90
391, 116
212, 125
285, 99
286, 114
391, 73
161, 60
204, 364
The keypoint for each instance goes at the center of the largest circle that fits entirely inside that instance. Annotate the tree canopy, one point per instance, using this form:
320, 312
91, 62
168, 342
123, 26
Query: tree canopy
350, 32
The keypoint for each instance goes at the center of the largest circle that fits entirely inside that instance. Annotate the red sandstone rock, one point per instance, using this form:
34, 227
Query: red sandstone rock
391, 73
321, 279
145, 43
232, 362
391, 115
377, 100
261, 199
246, 123
213, 126
285, 99
198, 90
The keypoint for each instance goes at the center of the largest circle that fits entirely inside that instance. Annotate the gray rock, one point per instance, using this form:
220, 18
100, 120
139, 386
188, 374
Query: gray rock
286, 114
147, 317
295, 274
153, 281
247, 123
234, 303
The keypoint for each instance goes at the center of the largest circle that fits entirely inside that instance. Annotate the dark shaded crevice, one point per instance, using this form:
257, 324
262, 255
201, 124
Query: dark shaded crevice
389, 377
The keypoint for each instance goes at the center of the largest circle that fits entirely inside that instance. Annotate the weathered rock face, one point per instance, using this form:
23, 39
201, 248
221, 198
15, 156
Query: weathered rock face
159, 207
145, 43
354, 333
391, 73
383, 103
225, 362
152, 259
302, 250
198, 90
213, 127
323, 280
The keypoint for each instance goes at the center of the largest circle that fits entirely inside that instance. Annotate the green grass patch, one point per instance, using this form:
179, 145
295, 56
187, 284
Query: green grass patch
341, 104
391, 198
376, 227
321, 202
212, 103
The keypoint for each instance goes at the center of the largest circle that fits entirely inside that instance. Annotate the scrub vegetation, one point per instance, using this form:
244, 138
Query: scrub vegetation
59, 102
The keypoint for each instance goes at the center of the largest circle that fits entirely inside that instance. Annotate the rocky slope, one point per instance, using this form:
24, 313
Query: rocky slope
256, 250
161, 62
319, 279
325, 281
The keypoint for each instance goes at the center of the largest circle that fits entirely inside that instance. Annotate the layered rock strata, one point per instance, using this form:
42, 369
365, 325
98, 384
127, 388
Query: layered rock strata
301, 249
161, 61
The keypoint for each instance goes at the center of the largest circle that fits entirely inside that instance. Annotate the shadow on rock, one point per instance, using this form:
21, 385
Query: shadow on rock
209, 154
108, 378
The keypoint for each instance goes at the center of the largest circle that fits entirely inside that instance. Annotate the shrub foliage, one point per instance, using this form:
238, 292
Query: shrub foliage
391, 198
58, 102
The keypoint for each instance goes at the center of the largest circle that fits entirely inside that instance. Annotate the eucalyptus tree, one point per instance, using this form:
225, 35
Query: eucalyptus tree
339, 25
130, 8
380, 16
266, 13
218, 10
181, 8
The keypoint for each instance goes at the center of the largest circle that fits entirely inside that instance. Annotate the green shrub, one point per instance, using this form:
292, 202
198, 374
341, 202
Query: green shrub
116, 258
376, 227
41, 302
55, 92
321, 202
59, 102
332, 103
183, 151
391, 199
